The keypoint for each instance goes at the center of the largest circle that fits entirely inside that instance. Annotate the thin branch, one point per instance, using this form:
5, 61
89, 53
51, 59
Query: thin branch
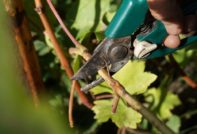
115, 102
121, 92
105, 96
70, 108
65, 29
60, 54
185, 77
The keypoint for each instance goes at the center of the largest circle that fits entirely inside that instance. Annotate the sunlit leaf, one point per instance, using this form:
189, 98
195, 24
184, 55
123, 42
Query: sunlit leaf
124, 116
102, 88
133, 77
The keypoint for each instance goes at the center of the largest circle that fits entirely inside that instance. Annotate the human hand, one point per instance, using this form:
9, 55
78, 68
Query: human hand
169, 12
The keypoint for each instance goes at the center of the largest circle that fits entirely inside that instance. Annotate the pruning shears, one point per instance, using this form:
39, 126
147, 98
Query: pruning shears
132, 33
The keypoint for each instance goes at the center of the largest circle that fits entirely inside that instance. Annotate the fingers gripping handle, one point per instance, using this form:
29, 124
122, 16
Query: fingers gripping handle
158, 33
131, 15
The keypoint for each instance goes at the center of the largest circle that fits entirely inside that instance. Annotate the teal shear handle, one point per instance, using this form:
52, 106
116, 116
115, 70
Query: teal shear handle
131, 15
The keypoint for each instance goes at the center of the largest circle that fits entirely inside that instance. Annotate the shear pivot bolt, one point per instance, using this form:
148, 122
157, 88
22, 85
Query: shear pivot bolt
118, 52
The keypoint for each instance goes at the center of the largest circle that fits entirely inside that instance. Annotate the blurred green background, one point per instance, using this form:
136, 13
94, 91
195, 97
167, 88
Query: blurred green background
17, 112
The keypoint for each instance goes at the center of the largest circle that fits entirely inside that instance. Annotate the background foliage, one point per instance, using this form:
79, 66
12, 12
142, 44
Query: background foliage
156, 83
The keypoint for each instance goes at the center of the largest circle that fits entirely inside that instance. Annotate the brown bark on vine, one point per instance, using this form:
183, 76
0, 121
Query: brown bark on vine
27, 55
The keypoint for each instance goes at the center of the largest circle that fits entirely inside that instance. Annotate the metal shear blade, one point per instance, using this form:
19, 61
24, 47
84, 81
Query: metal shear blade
111, 53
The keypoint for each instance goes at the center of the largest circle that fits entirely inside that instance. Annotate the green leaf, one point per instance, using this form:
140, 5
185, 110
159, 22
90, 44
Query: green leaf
169, 103
41, 48
184, 56
174, 123
48, 41
124, 116
86, 23
44, 51
76, 63
99, 36
163, 103
136, 81
132, 76
57, 101
102, 88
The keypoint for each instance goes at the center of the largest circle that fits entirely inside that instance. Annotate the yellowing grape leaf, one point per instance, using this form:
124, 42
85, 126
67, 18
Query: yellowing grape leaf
124, 116
103, 88
132, 76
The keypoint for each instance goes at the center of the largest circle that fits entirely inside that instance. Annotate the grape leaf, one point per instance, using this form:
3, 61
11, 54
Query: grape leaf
184, 56
169, 101
102, 88
124, 116
174, 123
86, 23
132, 76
